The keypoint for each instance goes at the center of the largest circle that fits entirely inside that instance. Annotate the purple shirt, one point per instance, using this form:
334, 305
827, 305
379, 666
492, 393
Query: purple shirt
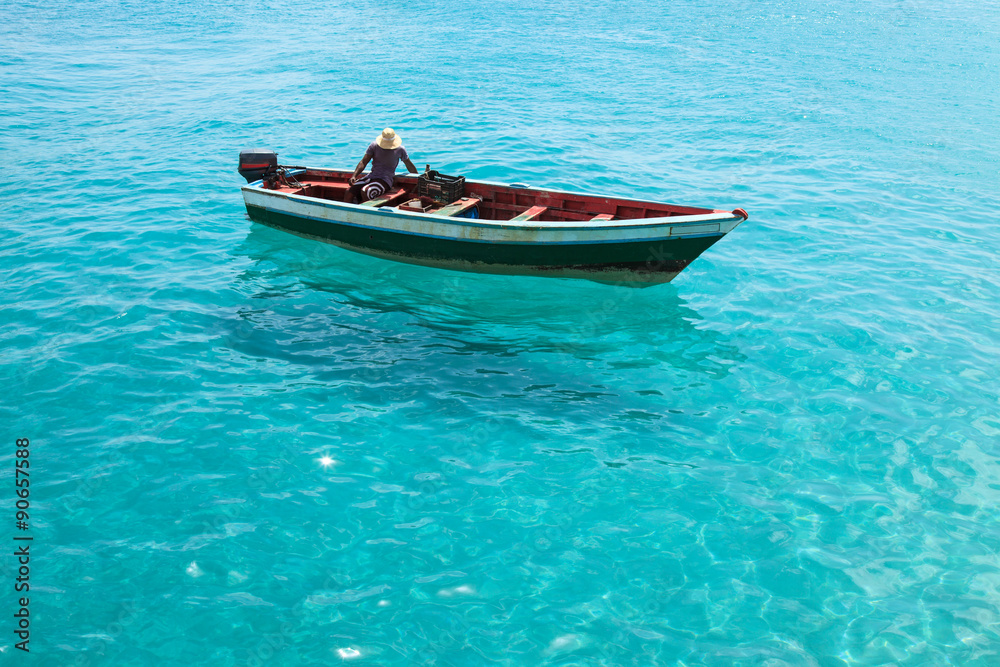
385, 161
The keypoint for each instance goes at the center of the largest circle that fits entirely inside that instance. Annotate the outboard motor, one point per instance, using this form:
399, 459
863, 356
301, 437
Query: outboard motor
253, 164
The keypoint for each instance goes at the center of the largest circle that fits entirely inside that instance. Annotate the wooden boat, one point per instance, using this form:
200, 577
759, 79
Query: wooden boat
487, 227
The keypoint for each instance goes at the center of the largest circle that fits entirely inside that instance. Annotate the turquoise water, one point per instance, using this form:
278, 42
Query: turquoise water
248, 448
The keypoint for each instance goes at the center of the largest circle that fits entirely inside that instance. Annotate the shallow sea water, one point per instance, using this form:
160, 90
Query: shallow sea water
249, 448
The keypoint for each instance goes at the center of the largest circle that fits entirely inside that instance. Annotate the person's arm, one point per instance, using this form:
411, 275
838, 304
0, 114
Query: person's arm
360, 168
409, 165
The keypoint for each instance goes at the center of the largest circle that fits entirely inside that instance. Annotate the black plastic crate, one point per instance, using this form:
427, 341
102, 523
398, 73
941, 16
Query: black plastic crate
440, 187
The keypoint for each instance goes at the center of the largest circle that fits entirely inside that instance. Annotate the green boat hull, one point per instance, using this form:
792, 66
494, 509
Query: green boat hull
647, 261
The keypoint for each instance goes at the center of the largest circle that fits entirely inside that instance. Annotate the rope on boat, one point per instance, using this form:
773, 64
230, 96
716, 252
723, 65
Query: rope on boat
287, 178
282, 174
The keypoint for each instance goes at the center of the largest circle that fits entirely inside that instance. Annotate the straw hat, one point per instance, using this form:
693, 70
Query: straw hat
389, 139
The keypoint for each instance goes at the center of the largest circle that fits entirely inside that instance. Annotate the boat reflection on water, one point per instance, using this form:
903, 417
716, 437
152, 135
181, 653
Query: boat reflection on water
293, 279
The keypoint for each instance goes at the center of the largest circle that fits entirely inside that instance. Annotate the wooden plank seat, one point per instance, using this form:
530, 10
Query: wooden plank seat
388, 199
531, 214
602, 216
457, 207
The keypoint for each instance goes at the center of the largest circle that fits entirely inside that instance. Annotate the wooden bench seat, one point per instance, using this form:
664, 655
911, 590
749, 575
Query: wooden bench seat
388, 199
602, 216
457, 207
531, 214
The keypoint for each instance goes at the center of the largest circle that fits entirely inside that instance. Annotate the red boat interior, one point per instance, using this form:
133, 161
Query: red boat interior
492, 202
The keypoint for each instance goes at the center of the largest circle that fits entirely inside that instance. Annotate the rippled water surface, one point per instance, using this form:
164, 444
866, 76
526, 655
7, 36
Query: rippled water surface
248, 448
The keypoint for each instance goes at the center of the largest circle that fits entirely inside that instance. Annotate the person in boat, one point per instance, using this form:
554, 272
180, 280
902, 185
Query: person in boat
384, 153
